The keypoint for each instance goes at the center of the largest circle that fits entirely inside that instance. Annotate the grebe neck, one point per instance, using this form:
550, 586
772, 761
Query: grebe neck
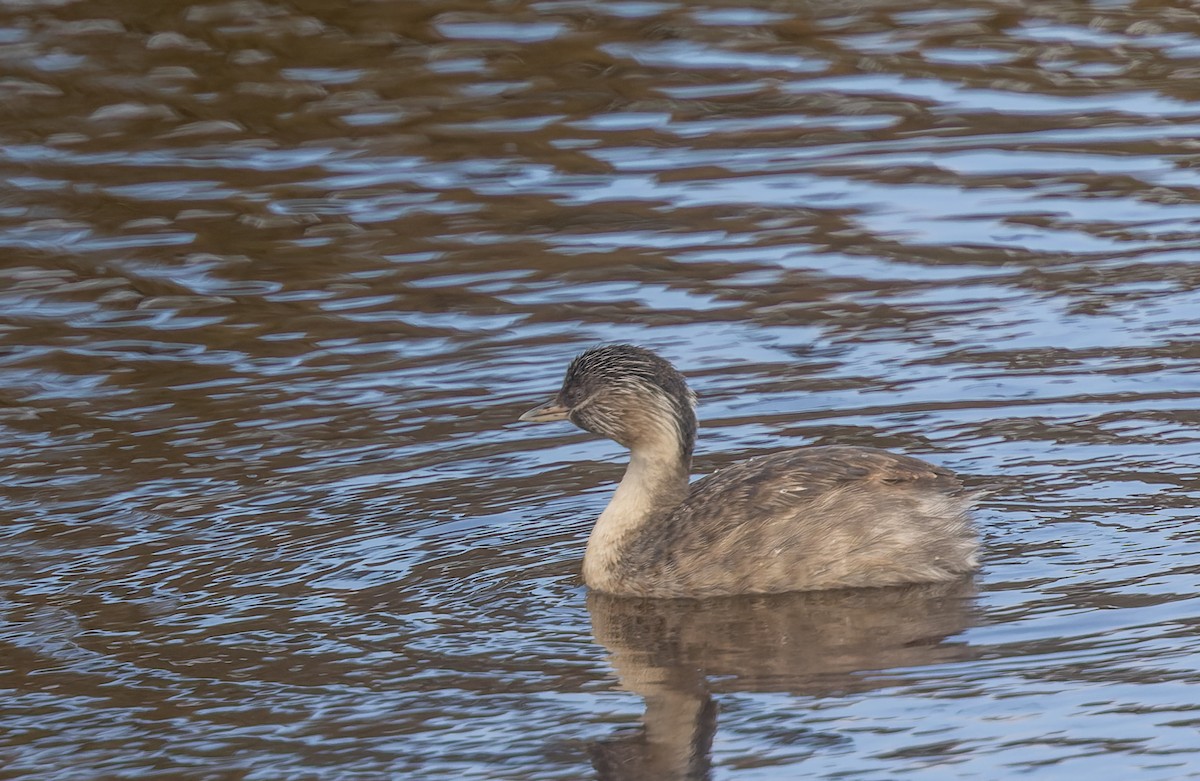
655, 483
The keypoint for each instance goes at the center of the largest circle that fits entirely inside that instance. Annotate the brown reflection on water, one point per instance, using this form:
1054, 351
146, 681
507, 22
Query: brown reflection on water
672, 653
275, 280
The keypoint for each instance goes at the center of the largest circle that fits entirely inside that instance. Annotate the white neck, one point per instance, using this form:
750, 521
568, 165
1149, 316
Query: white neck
655, 482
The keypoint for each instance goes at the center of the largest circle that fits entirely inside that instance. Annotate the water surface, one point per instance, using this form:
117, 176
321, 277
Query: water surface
277, 279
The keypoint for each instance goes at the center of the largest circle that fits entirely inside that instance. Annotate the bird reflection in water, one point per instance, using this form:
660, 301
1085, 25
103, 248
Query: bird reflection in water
676, 654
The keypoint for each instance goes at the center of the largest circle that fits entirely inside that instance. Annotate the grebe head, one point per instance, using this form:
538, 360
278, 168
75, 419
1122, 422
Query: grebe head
628, 394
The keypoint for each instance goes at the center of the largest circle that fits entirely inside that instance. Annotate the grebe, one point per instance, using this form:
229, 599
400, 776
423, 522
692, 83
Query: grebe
798, 520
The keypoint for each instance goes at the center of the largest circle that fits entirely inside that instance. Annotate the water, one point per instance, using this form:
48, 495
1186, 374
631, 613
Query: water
277, 279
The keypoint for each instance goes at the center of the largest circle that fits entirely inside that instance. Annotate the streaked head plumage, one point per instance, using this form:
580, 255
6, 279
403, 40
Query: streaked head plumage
628, 393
